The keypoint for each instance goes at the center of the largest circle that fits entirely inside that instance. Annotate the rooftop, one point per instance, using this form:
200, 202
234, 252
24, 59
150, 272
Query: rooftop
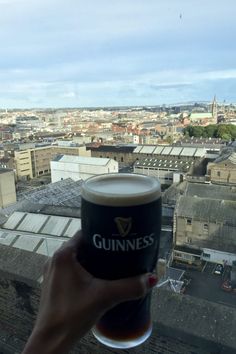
211, 191
171, 150
166, 164
209, 210
82, 160
38, 233
112, 148
227, 155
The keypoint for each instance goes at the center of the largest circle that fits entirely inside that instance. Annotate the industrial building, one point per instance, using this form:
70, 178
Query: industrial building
35, 162
79, 167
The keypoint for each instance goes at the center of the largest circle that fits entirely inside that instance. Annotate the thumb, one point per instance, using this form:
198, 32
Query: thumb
129, 288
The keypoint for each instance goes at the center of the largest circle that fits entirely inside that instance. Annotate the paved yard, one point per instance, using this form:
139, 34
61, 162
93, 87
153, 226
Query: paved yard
206, 285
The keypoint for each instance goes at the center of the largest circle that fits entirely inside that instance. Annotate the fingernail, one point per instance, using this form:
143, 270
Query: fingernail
152, 280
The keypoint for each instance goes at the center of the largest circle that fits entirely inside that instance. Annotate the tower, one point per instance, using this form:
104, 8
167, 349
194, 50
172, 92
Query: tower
214, 110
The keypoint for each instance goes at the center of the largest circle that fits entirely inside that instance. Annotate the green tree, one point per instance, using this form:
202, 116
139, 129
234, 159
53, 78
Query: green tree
226, 137
210, 131
198, 131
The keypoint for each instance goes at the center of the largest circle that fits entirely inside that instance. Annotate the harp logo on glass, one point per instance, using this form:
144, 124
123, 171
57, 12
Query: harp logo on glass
123, 225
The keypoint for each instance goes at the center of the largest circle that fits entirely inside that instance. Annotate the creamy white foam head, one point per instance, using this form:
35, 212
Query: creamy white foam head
121, 189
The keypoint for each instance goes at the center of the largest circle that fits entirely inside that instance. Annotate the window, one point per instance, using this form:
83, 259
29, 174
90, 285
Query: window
189, 221
205, 227
206, 255
122, 159
218, 173
178, 254
188, 240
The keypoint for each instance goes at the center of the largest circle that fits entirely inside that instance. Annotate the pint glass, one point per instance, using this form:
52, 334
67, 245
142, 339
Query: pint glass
121, 223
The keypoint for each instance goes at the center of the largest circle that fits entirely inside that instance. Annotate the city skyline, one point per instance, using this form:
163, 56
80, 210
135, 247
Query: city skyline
85, 54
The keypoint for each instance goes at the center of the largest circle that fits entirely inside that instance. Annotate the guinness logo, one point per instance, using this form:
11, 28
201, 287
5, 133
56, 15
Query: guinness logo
123, 225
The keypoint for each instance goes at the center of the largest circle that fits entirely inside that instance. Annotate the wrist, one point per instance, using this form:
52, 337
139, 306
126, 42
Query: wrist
48, 341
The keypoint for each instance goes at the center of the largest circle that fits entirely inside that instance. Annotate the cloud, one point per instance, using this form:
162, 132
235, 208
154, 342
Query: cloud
114, 51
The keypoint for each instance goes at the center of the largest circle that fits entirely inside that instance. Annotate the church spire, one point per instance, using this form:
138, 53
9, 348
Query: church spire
214, 109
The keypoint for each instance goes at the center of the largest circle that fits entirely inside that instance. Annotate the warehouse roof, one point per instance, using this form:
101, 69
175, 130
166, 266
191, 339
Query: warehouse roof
38, 233
171, 150
209, 210
62, 193
163, 163
82, 160
211, 191
113, 148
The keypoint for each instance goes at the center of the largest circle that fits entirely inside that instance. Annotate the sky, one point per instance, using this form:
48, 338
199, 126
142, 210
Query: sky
90, 53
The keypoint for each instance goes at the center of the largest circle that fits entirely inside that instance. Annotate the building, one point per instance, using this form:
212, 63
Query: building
121, 153
27, 239
7, 187
35, 162
128, 154
79, 167
210, 144
170, 164
205, 223
37, 227
223, 169
167, 171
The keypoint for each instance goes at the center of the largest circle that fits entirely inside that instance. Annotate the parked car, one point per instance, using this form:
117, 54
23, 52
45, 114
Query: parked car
218, 269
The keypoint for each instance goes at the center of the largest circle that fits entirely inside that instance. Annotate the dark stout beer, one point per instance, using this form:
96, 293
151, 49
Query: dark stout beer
121, 223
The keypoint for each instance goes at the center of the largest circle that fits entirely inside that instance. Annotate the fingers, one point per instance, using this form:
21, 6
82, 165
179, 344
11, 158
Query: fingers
127, 289
68, 248
74, 242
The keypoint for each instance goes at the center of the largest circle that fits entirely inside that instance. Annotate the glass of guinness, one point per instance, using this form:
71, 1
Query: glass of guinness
121, 224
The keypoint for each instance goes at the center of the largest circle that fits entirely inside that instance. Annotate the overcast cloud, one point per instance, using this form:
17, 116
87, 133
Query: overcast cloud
108, 52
